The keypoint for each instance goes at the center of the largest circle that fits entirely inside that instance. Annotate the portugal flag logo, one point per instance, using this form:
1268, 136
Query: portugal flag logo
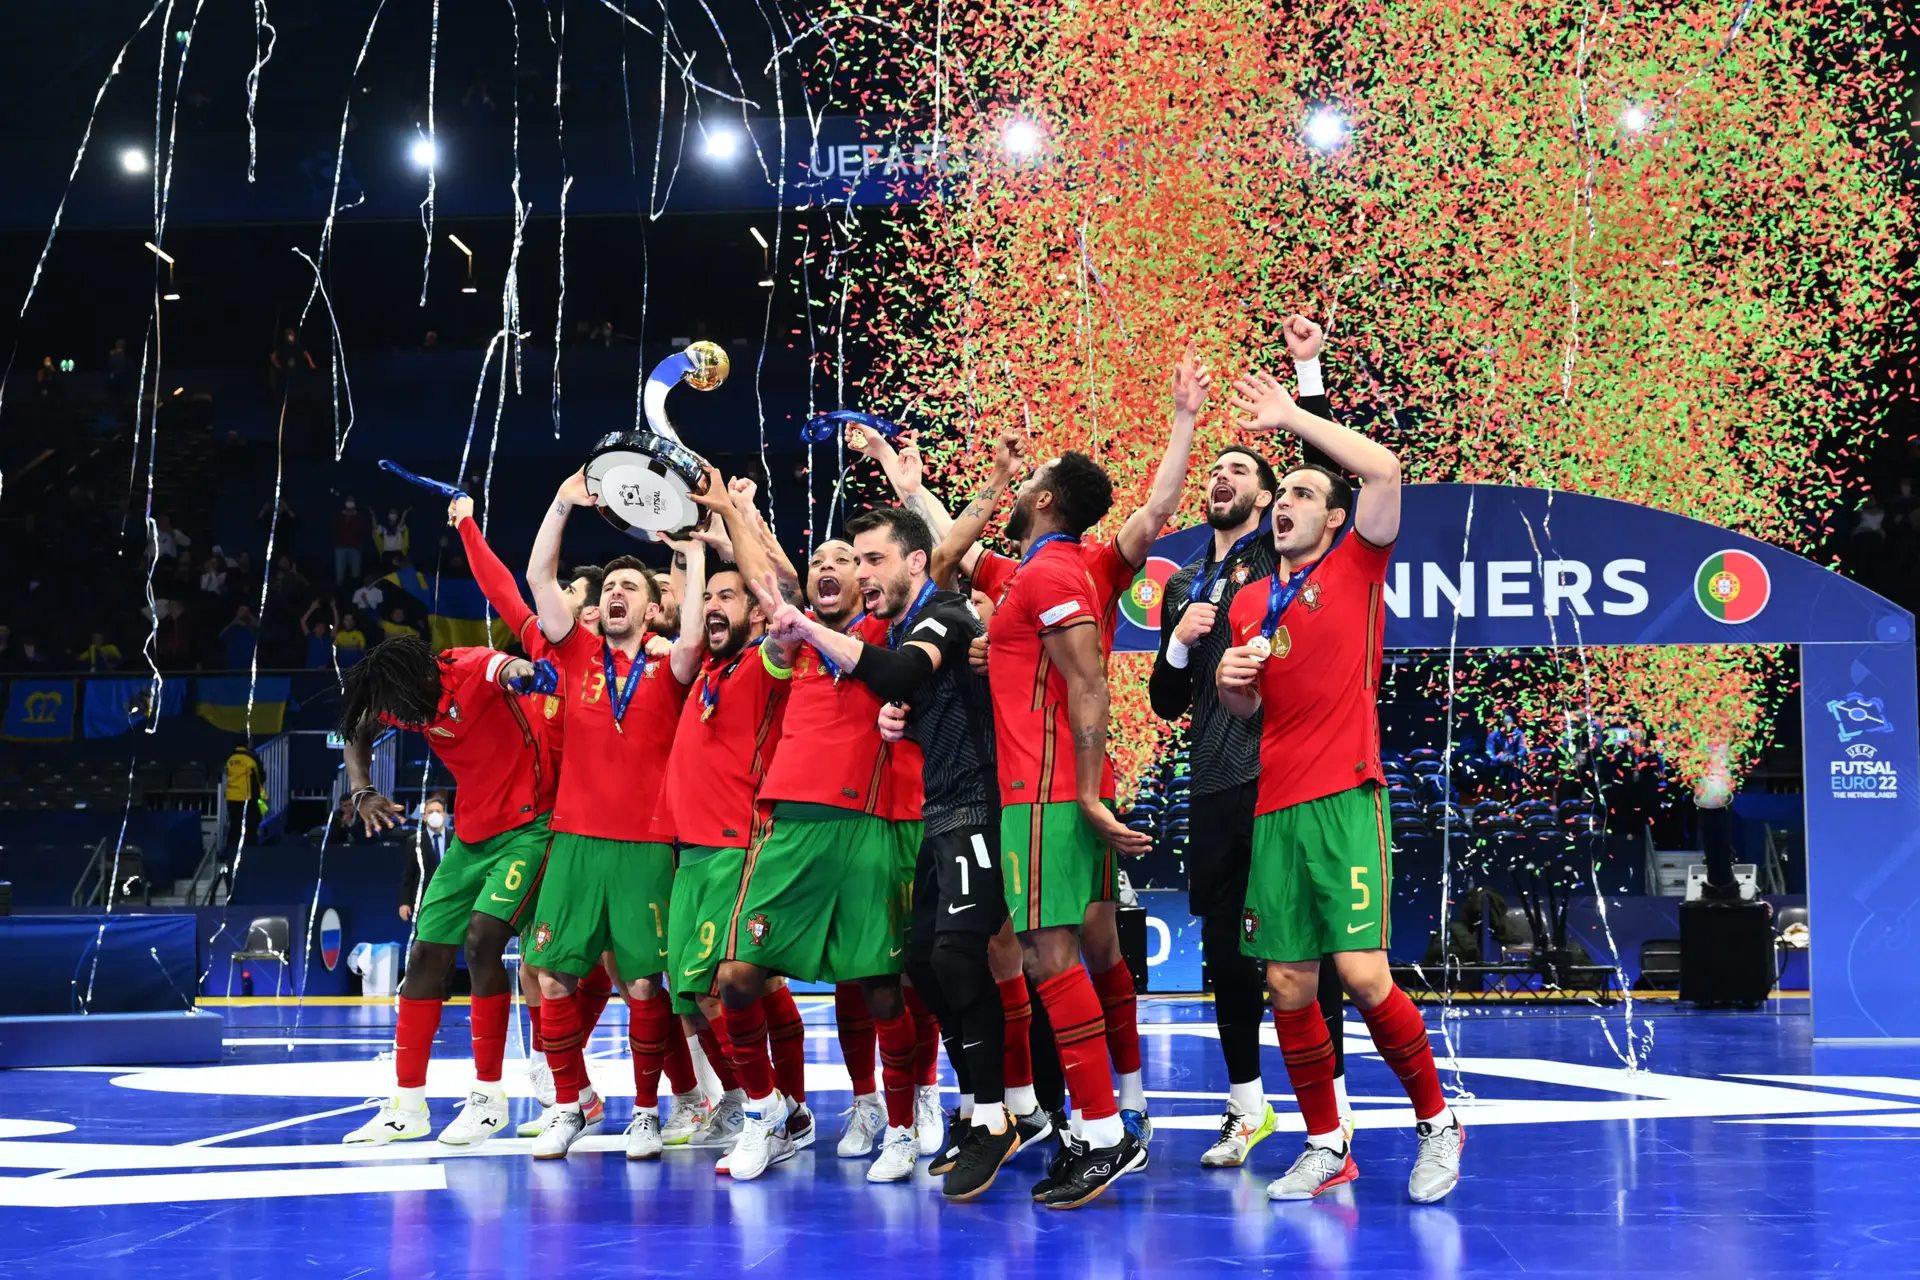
1140, 604
1732, 586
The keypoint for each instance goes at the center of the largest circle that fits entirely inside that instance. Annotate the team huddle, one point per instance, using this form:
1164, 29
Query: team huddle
891, 774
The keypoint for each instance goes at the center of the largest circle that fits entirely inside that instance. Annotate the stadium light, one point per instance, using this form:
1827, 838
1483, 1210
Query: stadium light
423, 153
1326, 131
757, 237
1633, 120
461, 245
160, 253
133, 160
1021, 138
721, 144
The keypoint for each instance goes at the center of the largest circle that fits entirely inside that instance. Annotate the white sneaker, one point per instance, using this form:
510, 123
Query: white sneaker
643, 1135
801, 1130
685, 1115
929, 1125
564, 1127
484, 1115
723, 1124
763, 1138
898, 1154
540, 1081
1239, 1134
531, 1128
593, 1109
1317, 1170
391, 1123
1437, 1168
866, 1121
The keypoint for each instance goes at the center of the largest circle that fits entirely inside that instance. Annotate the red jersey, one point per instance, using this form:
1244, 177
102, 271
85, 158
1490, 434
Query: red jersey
1107, 569
831, 752
503, 768
503, 593
718, 760
1320, 724
1033, 736
611, 787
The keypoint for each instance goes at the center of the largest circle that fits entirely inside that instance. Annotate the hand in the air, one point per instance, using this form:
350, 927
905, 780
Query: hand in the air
1262, 403
461, 508
1305, 339
1192, 381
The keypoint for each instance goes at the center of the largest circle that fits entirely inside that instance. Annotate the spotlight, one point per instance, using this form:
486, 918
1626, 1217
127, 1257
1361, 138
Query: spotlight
1021, 138
1326, 130
468, 289
1633, 120
160, 253
133, 160
423, 153
169, 297
766, 284
722, 144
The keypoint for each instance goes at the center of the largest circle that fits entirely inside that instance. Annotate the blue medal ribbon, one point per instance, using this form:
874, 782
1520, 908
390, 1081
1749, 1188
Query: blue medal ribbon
1042, 541
621, 697
833, 668
897, 631
1280, 594
710, 687
1197, 590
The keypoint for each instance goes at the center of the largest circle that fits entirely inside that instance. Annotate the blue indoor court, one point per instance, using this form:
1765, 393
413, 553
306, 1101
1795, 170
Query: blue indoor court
1738, 1149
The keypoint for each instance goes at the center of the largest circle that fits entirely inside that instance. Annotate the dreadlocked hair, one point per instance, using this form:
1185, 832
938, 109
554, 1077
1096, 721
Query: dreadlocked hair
398, 679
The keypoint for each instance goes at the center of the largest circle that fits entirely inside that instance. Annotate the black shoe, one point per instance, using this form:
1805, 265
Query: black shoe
1067, 1150
1035, 1126
980, 1160
1095, 1171
959, 1133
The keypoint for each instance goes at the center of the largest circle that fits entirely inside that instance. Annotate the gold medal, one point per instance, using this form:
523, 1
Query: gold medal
706, 712
856, 439
1261, 647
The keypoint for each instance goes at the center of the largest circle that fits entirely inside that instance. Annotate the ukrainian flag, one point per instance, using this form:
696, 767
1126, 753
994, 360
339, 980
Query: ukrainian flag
461, 618
414, 583
222, 702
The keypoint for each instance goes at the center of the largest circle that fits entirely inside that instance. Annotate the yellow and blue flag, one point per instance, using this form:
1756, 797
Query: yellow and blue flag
113, 706
39, 711
460, 617
222, 702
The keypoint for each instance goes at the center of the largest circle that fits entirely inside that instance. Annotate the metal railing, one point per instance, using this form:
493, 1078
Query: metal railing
386, 761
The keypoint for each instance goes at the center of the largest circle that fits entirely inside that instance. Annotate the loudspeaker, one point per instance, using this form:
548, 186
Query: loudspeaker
1131, 924
1726, 953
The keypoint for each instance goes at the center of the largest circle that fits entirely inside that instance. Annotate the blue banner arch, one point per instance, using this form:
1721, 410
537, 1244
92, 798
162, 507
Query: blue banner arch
1504, 566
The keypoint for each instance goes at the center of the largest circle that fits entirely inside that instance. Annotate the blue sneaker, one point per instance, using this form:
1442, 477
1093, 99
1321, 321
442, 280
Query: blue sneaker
1139, 1125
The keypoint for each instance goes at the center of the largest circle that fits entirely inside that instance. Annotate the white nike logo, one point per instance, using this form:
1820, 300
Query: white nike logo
954, 911
1356, 928
893, 953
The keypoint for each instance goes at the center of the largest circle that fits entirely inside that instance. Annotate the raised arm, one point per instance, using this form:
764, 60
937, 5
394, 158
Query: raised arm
958, 549
1191, 382
690, 646
1264, 405
906, 473
1075, 650
496, 581
543, 565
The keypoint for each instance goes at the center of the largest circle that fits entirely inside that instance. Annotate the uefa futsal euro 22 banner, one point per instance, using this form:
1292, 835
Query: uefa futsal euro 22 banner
1493, 566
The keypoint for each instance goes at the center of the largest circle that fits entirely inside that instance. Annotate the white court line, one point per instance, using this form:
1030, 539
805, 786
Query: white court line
278, 1124
375, 1041
249, 1184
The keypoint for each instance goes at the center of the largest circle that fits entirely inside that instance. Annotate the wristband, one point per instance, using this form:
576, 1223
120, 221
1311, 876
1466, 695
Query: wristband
1306, 374
1178, 654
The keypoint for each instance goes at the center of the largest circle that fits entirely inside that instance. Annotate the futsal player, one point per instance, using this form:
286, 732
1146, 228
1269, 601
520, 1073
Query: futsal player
464, 702
609, 877
1306, 656
1225, 758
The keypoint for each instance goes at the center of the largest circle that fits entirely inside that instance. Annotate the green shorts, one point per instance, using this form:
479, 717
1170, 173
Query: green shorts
498, 877
706, 889
826, 897
1321, 879
1055, 865
603, 895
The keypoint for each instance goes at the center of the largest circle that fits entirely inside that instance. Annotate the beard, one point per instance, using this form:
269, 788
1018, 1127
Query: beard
1019, 520
736, 641
1234, 516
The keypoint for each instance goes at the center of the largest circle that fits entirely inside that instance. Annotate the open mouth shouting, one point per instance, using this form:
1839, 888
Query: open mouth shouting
1221, 495
718, 629
1282, 525
826, 591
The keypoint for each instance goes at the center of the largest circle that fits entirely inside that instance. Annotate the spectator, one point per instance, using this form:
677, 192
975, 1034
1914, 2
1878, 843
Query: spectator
240, 571
291, 362
239, 638
1873, 520
213, 577
348, 640
1904, 502
100, 655
288, 516
428, 847
30, 655
369, 597
167, 541
395, 624
349, 536
173, 643
391, 536
290, 576
245, 798
1507, 748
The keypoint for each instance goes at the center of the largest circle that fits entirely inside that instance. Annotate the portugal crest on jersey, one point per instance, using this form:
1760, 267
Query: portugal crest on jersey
1239, 575
1310, 596
1249, 923
758, 927
542, 935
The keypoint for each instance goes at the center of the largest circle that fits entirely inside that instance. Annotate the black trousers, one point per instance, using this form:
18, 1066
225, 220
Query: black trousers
1219, 859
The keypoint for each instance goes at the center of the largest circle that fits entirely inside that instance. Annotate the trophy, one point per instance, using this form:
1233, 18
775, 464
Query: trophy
644, 479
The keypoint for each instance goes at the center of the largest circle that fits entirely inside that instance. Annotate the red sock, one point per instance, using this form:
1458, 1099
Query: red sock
539, 1026
926, 1039
1308, 1051
896, 1036
1115, 988
650, 1024
855, 1025
1080, 1030
413, 1041
747, 1035
489, 1021
595, 990
1400, 1034
717, 1058
565, 1046
679, 1063
787, 1039
1017, 1007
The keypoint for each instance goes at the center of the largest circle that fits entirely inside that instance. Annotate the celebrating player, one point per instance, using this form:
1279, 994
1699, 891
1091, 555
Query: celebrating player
1306, 655
462, 700
610, 870
1225, 757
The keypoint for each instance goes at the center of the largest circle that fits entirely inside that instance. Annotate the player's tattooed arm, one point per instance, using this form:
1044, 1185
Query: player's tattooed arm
1075, 651
958, 550
543, 565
